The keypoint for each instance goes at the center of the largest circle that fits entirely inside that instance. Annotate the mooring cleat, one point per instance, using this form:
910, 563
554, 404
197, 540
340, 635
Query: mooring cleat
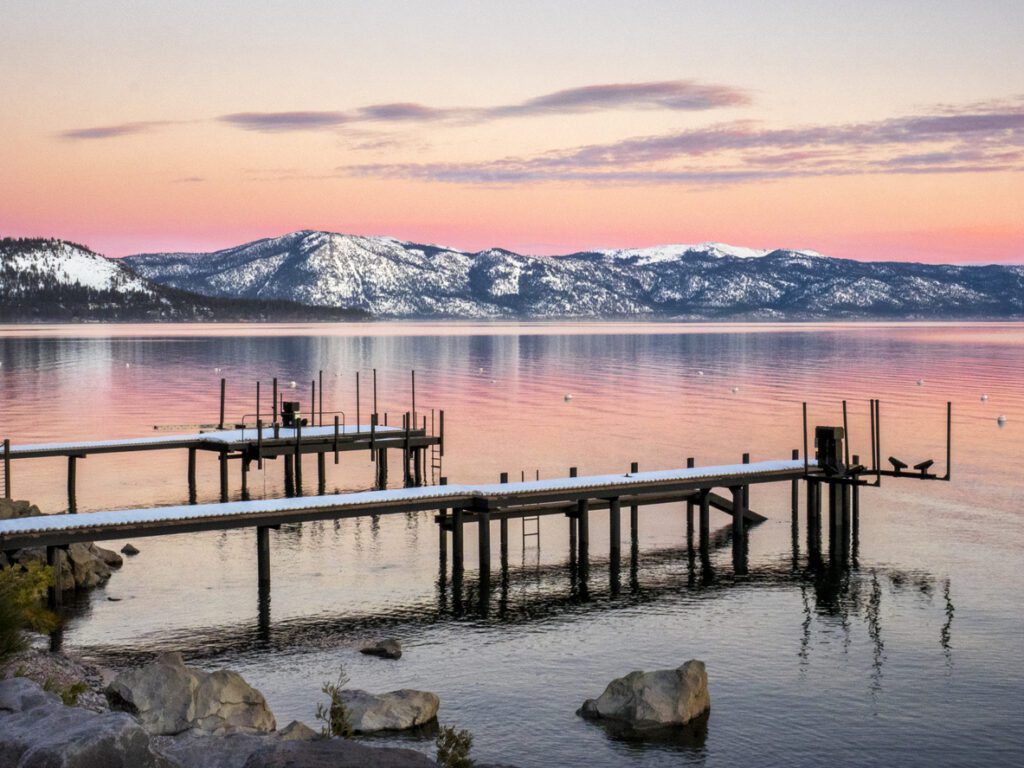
924, 466
898, 465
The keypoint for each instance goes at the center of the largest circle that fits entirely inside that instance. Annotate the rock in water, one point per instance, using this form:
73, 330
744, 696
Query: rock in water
649, 700
395, 711
296, 730
169, 698
129, 549
386, 649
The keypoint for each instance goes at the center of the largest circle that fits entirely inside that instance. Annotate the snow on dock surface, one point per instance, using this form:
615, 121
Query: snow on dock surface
219, 437
430, 496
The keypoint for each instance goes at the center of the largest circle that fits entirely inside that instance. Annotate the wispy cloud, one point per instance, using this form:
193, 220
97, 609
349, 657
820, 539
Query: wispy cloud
276, 122
978, 139
112, 131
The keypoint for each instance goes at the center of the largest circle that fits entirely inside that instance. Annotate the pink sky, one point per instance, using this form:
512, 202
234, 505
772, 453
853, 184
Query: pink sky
879, 134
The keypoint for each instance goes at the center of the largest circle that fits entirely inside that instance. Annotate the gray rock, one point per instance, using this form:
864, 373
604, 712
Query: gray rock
394, 711
649, 700
297, 731
37, 731
169, 698
108, 556
385, 649
192, 749
129, 549
11, 508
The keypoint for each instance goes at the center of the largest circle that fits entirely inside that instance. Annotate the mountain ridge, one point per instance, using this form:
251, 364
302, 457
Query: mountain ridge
388, 277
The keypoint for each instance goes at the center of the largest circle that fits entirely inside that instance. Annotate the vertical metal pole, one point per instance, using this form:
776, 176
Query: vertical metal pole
414, 397
949, 439
689, 507
245, 478
275, 401
442, 532
634, 511
440, 429
223, 386
484, 540
258, 402
321, 473
375, 390
458, 554
7, 469
846, 438
312, 403
320, 422
806, 455
259, 443
336, 459
359, 422
739, 543
503, 529
878, 435
583, 522
871, 407
794, 492
298, 457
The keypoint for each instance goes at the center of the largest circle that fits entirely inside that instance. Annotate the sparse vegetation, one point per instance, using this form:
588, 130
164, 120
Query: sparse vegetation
22, 590
453, 748
69, 694
334, 715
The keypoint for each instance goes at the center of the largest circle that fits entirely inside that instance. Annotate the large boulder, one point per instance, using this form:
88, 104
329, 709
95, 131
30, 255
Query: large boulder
169, 697
38, 731
650, 700
394, 711
385, 649
14, 508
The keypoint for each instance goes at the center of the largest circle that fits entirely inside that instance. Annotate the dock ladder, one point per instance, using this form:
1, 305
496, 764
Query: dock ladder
435, 454
531, 525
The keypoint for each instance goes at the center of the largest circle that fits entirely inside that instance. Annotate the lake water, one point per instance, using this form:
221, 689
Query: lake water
914, 655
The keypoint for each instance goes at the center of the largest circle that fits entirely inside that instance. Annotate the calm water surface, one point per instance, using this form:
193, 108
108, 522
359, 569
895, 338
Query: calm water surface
914, 655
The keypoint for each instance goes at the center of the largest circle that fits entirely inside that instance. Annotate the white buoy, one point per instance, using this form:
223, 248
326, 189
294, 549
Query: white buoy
568, 396
984, 398
735, 390
700, 373
920, 382
127, 365
291, 385
481, 370
216, 370
1001, 420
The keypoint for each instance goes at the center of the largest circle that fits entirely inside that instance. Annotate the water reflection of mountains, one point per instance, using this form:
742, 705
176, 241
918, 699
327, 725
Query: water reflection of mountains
674, 578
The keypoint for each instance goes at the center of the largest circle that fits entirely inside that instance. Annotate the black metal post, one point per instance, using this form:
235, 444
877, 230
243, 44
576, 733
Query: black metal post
359, 421
223, 385
55, 592
223, 476
259, 443
846, 438
72, 502
336, 458
7, 469
321, 473
192, 475
615, 530
263, 555
320, 422
634, 512
583, 522
503, 530
689, 507
705, 519
806, 459
275, 404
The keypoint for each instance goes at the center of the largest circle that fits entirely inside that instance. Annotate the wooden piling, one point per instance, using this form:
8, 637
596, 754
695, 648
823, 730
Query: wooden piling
737, 513
615, 530
289, 474
794, 493
746, 488
583, 522
259, 443
442, 530
245, 478
503, 530
336, 457
458, 551
484, 541
72, 501
705, 518
321, 420
382, 468
223, 476
689, 507
275, 407
321, 473
192, 475
263, 555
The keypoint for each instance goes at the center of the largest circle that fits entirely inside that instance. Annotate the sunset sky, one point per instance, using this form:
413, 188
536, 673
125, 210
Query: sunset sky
869, 130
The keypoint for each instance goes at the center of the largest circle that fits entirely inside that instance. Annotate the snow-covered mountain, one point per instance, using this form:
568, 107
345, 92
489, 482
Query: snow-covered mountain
54, 280
392, 278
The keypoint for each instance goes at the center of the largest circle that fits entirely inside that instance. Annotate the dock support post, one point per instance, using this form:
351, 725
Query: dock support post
289, 474
382, 469
417, 463
192, 475
321, 473
689, 510
72, 501
223, 477
583, 521
615, 530
812, 521
245, 478
223, 385
442, 532
458, 551
835, 520
705, 519
263, 555
634, 512
55, 592
794, 493
484, 541
746, 488
738, 538
503, 529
